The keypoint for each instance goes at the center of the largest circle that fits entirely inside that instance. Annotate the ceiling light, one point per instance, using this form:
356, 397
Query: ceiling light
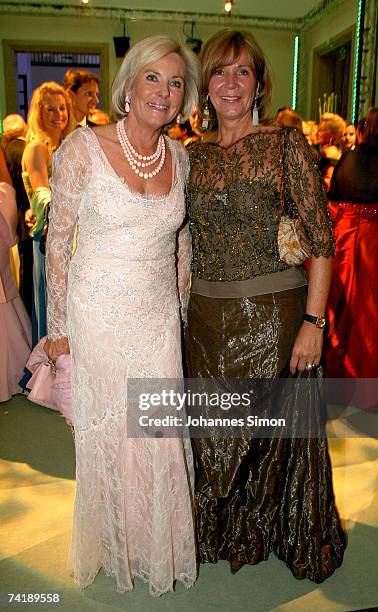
228, 6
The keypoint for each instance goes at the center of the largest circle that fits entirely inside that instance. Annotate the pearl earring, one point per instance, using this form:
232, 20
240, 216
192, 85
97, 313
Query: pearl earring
179, 119
127, 104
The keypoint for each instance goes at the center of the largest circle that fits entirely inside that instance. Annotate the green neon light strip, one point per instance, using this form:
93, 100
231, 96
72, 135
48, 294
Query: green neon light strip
357, 63
295, 72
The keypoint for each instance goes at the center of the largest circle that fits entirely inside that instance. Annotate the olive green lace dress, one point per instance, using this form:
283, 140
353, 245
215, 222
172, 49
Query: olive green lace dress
256, 496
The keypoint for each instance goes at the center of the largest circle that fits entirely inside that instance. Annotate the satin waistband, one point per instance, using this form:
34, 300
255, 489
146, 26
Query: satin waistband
270, 283
359, 210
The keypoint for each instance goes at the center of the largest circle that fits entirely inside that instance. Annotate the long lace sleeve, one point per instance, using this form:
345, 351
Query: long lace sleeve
184, 241
69, 170
305, 194
183, 258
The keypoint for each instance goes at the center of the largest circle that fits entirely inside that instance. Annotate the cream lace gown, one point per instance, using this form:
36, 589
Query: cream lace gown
117, 299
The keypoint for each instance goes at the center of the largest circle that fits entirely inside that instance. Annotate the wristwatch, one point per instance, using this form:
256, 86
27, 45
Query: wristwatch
318, 321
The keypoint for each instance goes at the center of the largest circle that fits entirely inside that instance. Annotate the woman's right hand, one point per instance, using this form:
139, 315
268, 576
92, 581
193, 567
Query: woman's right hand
29, 219
55, 348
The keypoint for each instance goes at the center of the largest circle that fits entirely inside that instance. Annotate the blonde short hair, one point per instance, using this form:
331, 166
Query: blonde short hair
222, 49
148, 51
335, 126
14, 127
36, 131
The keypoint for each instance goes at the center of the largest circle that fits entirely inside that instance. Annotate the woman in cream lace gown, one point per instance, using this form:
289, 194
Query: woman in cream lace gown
117, 302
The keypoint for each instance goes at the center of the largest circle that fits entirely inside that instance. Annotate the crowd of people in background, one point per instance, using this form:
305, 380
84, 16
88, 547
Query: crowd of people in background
25, 163
349, 179
347, 157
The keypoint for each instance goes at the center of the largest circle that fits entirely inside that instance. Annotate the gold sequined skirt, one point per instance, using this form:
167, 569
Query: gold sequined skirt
256, 496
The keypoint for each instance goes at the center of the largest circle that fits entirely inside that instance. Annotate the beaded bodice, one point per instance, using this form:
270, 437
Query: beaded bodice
234, 203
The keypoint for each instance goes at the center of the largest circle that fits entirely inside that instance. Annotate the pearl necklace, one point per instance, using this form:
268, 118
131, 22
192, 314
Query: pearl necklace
135, 159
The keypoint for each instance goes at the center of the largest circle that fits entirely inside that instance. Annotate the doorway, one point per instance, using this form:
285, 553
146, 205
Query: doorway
332, 69
33, 69
29, 64
334, 76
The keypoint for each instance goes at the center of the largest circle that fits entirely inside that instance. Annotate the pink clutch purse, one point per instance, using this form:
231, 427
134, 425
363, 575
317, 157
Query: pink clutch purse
50, 384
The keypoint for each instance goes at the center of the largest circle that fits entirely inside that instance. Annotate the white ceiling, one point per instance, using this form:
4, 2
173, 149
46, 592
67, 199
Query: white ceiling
280, 9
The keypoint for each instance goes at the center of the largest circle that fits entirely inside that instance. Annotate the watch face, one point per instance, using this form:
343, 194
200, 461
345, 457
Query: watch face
321, 322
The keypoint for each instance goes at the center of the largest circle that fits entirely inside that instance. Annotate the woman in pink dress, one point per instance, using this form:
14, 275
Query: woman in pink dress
15, 328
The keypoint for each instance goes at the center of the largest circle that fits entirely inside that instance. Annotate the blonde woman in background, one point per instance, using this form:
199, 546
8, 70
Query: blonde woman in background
49, 122
329, 137
310, 129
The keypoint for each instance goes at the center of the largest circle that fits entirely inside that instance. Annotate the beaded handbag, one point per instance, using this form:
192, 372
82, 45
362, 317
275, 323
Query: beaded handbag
293, 245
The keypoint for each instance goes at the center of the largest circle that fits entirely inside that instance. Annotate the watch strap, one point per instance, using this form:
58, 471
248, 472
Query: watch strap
318, 321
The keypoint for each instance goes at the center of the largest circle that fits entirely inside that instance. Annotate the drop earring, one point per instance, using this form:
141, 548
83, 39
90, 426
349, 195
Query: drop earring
206, 115
255, 111
179, 119
127, 104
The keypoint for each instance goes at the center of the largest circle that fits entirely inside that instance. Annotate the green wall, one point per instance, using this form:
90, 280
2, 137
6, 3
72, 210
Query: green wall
77, 31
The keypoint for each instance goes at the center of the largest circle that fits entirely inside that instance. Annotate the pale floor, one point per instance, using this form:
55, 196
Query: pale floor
36, 498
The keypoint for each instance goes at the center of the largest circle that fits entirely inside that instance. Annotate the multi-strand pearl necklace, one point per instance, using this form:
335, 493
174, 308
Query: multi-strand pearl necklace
137, 161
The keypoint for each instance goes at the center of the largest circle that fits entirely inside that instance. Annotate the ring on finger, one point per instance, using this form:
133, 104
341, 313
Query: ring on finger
310, 365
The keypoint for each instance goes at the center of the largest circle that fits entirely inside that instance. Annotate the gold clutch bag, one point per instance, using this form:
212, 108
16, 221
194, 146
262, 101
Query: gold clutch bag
293, 245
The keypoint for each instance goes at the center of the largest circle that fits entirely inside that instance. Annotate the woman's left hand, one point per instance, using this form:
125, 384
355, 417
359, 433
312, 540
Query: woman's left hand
307, 348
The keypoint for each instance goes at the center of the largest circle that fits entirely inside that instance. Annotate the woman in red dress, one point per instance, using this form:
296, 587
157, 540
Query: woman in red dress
352, 349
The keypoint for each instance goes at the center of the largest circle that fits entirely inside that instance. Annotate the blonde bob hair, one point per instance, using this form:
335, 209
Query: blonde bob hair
14, 127
334, 126
223, 49
36, 131
148, 51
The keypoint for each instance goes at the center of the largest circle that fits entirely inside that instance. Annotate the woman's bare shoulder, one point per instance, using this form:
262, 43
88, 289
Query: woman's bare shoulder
35, 152
36, 147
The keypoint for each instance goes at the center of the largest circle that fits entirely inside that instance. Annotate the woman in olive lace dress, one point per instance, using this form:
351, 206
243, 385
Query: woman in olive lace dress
246, 319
